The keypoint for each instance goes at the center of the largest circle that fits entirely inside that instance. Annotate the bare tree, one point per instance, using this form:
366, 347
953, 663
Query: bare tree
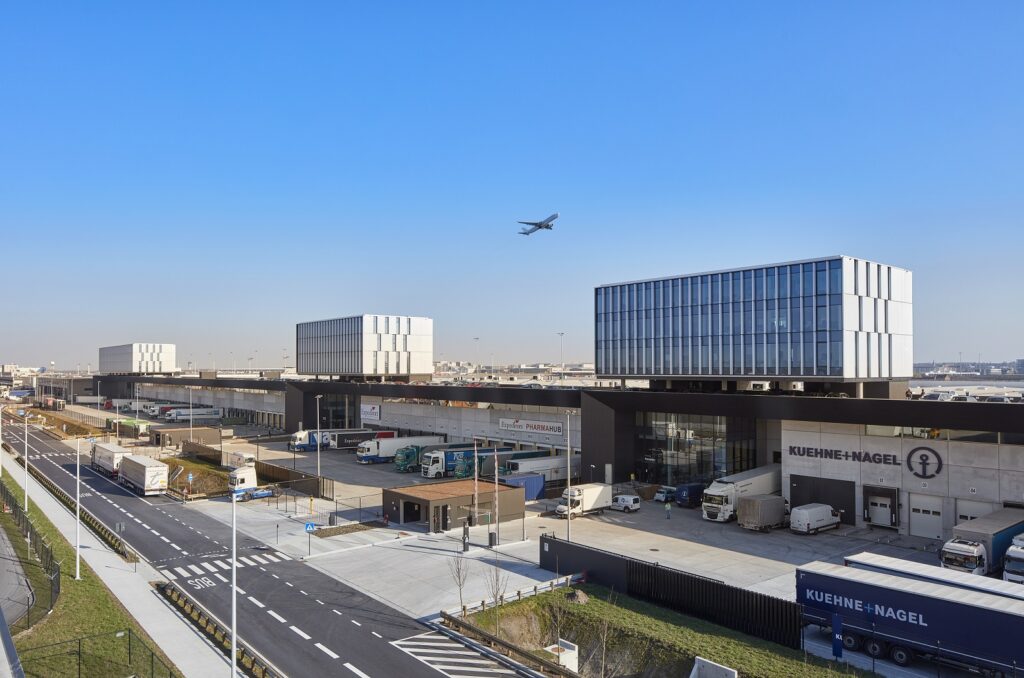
497, 582
458, 568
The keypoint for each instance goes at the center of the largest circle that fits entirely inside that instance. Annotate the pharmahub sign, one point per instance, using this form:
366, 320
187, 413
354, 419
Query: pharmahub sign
550, 428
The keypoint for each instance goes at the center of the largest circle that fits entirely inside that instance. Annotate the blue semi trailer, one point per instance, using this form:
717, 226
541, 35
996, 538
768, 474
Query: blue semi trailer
891, 617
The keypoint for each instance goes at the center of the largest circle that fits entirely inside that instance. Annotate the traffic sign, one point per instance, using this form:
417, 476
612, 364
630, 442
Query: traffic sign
310, 527
92, 440
190, 477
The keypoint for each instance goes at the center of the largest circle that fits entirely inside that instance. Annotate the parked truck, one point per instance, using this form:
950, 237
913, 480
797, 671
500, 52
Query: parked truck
978, 545
243, 484
720, 499
903, 619
334, 438
583, 499
554, 469
236, 459
485, 460
144, 475
762, 512
84, 399
382, 450
410, 458
193, 413
442, 463
1013, 561
107, 458
901, 567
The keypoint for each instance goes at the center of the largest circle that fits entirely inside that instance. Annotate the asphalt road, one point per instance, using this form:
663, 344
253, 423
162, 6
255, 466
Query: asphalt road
302, 621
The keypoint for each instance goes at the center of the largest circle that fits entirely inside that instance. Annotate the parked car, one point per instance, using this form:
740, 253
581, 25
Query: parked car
665, 494
627, 503
935, 395
997, 399
813, 518
963, 399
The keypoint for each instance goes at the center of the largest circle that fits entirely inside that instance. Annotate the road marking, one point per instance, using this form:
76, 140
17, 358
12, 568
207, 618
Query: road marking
259, 560
263, 569
274, 575
222, 565
336, 612
177, 548
153, 531
165, 539
302, 634
355, 671
303, 592
319, 602
326, 651
256, 602
209, 567
183, 572
355, 622
284, 556
167, 574
218, 575
196, 569
133, 517
247, 561
137, 520
184, 553
145, 526
288, 583
270, 558
239, 589
276, 616
376, 634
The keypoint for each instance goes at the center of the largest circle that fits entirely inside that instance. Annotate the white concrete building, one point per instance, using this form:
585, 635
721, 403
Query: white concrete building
384, 346
918, 481
138, 358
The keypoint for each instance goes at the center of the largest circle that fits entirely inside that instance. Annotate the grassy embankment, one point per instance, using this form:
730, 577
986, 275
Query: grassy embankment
644, 638
84, 608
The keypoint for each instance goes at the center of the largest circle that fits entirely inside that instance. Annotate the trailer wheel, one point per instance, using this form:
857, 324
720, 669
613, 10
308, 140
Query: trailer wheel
901, 656
874, 648
851, 642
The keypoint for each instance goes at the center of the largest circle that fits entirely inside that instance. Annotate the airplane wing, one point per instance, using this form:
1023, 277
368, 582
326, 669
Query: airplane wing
531, 223
528, 231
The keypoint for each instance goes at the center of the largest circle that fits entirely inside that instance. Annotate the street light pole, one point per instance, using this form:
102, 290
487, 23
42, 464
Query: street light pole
234, 587
1, 439
561, 356
318, 434
26, 461
190, 415
78, 508
568, 475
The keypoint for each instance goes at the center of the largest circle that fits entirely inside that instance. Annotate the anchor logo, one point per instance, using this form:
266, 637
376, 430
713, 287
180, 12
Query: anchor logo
924, 462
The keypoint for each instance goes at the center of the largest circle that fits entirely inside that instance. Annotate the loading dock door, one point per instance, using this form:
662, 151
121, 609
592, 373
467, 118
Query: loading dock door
926, 516
967, 509
881, 506
839, 494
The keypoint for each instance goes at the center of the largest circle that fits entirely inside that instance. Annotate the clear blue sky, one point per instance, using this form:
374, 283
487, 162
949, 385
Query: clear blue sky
210, 173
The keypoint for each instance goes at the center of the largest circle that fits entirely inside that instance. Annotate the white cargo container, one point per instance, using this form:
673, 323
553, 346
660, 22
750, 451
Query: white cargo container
721, 498
235, 459
143, 475
553, 469
583, 499
107, 458
382, 450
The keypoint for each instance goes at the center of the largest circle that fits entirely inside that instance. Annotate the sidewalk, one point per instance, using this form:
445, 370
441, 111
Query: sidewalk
14, 589
180, 641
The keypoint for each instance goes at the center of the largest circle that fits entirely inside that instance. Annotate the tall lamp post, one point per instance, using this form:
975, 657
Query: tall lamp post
318, 434
26, 461
568, 474
561, 356
234, 586
78, 508
1, 440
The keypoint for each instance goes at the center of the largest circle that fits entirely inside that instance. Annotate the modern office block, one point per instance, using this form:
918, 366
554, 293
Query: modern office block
138, 358
839, 318
366, 346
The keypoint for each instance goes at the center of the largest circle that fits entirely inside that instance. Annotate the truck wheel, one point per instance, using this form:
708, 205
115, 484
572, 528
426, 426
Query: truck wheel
901, 656
874, 648
851, 642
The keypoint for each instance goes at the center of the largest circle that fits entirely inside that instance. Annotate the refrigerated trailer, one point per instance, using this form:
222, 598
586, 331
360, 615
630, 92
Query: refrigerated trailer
899, 567
107, 458
903, 619
978, 545
720, 499
554, 469
194, 413
382, 450
144, 475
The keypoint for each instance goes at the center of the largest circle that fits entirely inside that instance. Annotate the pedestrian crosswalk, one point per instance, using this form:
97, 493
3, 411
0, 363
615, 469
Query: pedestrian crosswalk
214, 567
450, 658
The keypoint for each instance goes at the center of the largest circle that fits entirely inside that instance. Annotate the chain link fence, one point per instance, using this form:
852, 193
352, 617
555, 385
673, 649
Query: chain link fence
119, 653
41, 569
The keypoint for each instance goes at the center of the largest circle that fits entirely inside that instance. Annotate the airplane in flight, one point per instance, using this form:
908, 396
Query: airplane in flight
534, 226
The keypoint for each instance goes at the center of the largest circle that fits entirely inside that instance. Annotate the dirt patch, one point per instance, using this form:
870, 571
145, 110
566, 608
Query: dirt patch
348, 529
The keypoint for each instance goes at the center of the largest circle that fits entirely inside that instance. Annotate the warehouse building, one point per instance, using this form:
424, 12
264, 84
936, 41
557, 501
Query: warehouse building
366, 347
138, 358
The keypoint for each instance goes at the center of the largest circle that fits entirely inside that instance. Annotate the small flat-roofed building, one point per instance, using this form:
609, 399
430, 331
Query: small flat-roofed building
447, 505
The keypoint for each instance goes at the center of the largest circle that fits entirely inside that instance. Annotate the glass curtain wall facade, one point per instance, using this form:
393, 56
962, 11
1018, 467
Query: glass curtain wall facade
682, 448
784, 320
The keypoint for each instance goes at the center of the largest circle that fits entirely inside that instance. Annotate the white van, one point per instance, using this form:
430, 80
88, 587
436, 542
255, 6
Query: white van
812, 518
627, 503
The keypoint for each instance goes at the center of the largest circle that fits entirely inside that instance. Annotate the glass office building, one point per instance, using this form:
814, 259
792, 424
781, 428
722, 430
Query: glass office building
837, 317
683, 448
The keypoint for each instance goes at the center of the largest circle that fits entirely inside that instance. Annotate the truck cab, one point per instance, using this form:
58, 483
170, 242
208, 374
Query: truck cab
718, 503
964, 555
1013, 561
242, 480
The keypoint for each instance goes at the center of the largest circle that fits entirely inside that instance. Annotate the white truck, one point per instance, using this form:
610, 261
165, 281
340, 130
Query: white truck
235, 459
144, 475
1013, 561
722, 497
553, 469
978, 545
382, 450
107, 458
194, 413
583, 499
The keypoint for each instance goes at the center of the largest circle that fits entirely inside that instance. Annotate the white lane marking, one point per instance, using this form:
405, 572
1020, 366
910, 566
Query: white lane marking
302, 634
222, 565
196, 569
270, 558
258, 560
256, 602
133, 517
184, 553
218, 575
303, 592
319, 602
137, 520
239, 589
355, 622
153, 531
274, 575
276, 616
376, 634
263, 569
178, 548
209, 567
165, 539
284, 556
326, 651
355, 670
336, 612
183, 572
288, 583
145, 526
247, 561
167, 574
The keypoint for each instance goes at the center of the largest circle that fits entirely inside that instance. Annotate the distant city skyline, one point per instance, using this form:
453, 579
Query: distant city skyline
212, 177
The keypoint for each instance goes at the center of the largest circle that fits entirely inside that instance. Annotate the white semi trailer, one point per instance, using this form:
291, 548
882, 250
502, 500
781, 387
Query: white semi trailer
721, 499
